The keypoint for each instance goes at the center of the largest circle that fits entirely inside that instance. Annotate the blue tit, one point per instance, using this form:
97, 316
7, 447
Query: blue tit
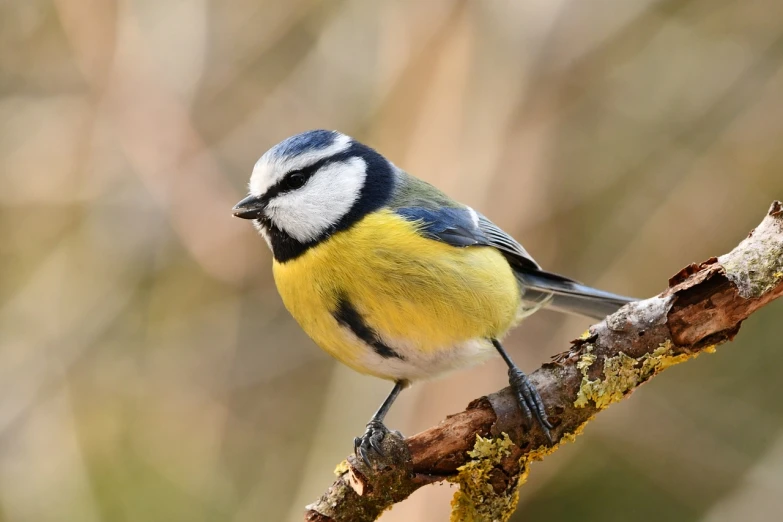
391, 276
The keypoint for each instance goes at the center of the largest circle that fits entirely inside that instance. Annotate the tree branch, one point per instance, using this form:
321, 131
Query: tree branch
486, 449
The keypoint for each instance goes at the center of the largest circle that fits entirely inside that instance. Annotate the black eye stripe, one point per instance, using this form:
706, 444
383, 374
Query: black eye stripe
281, 187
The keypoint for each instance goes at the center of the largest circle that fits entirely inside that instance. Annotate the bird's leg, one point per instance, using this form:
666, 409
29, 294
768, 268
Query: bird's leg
376, 430
527, 396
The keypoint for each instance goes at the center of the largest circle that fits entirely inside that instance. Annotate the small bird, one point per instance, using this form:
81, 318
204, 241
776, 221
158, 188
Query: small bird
391, 276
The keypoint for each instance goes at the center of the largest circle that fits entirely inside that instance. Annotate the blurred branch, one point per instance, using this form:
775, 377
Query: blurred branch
486, 448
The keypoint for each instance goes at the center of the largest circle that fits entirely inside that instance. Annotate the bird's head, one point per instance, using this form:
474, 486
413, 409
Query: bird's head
309, 186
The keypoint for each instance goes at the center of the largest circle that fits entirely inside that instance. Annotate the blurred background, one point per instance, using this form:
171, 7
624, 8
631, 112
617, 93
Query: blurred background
148, 370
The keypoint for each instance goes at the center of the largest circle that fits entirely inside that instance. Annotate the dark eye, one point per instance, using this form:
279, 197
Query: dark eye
295, 180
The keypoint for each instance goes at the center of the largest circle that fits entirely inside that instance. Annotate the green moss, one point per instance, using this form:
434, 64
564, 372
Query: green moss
586, 361
476, 500
341, 469
622, 374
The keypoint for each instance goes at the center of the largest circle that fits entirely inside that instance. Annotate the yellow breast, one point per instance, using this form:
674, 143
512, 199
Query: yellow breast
421, 296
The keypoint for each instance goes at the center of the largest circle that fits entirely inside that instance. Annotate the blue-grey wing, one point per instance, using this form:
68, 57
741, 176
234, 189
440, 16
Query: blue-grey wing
464, 227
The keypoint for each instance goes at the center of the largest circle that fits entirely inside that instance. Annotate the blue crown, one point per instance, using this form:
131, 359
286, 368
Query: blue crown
304, 142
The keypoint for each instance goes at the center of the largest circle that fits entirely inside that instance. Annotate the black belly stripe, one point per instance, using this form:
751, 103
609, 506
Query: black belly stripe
347, 316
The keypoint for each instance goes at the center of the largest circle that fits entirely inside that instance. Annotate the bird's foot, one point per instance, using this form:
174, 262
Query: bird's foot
372, 441
529, 401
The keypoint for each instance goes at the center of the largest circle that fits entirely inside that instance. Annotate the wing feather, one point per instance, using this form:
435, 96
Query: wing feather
463, 227
443, 219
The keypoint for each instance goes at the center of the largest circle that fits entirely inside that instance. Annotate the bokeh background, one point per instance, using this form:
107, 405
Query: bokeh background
148, 371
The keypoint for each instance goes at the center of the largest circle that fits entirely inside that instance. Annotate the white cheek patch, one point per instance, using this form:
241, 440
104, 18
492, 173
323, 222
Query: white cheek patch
306, 213
271, 169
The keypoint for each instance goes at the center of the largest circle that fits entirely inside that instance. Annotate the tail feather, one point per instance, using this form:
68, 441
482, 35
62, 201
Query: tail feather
570, 296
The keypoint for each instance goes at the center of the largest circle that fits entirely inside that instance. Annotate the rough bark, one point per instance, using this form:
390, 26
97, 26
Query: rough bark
704, 306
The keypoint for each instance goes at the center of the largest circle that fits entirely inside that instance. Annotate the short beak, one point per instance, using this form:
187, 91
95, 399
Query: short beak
249, 208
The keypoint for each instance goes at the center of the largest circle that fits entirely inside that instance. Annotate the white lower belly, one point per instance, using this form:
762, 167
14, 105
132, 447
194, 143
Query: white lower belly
415, 365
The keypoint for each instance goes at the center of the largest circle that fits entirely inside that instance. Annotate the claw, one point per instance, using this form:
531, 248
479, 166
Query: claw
527, 415
364, 456
370, 442
530, 402
376, 445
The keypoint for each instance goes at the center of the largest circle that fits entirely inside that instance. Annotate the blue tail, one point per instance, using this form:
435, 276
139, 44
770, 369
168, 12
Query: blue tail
568, 295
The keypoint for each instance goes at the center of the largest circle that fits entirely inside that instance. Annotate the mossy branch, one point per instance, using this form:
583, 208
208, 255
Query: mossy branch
485, 448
